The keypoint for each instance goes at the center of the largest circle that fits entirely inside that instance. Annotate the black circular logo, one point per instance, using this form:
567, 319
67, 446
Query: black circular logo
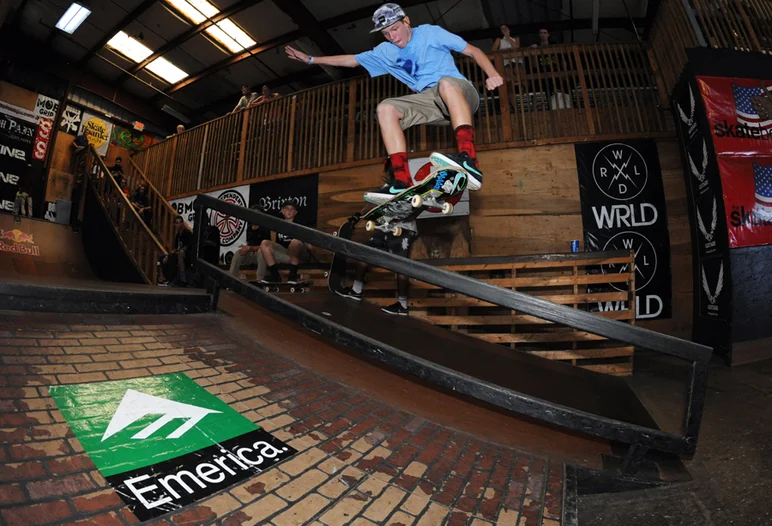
620, 171
231, 228
645, 258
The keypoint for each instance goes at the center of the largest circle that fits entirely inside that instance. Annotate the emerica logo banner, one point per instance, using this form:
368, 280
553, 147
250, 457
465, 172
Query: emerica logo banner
165, 442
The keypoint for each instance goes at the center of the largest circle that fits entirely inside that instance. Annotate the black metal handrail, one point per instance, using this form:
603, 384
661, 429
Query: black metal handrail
698, 355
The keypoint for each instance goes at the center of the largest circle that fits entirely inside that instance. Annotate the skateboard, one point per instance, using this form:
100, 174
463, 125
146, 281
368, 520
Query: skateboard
432, 192
301, 287
404, 207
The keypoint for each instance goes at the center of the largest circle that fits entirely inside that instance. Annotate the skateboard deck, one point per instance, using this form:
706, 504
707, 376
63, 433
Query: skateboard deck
301, 287
398, 210
433, 192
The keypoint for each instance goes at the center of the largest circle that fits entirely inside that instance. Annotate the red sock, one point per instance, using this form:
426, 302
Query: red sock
400, 168
465, 140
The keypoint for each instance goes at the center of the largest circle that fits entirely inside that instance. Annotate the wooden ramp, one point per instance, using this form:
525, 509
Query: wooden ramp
44, 267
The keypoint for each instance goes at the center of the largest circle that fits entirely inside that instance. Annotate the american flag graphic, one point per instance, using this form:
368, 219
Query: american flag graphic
762, 175
744, 105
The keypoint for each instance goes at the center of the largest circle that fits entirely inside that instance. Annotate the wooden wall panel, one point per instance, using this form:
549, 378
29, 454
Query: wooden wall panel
529, 204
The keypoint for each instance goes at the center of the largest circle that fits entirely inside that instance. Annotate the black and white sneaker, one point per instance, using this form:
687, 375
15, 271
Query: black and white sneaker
460, 161
386, 192
293, 279
397, 309
270, 280
348, 292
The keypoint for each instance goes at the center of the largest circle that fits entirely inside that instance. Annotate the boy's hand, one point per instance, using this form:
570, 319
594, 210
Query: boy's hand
294, 54
243, 249
494, 81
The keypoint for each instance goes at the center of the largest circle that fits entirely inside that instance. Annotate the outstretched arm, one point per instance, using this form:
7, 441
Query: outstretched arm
344, 61
494, 79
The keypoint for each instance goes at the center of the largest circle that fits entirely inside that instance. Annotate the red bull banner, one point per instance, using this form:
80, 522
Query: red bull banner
740, 114
18, 242
746, 183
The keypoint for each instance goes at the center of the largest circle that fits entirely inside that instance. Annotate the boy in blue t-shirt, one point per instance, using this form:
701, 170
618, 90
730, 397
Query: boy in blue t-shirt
420, 58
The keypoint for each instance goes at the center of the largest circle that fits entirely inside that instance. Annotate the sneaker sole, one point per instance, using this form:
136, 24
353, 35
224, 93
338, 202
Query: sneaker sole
355, 298
394, 313
378, 199
438, 160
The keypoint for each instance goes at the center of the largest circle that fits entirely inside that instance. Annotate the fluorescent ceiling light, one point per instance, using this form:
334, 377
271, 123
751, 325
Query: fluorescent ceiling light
226, 32
135, 50
166, 70
72, 18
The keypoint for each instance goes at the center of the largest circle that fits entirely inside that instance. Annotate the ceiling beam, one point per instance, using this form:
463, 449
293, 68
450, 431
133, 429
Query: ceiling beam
190, 33
125, 21
235, 59
310, 26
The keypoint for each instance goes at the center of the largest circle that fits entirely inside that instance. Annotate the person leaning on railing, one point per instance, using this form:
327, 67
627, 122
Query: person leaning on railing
250, 253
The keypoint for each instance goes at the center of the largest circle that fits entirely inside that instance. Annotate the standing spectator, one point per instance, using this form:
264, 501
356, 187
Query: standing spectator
265, 96
504, 43
175, 264
210, 242
22, 205
284, 250
180, 129
247, 96
141, 202
250, 253
544, 39
117, 167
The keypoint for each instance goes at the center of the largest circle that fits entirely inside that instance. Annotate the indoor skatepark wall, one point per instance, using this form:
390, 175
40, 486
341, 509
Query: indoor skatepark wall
530, 204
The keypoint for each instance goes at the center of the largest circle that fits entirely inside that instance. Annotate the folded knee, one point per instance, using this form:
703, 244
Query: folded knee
387, 111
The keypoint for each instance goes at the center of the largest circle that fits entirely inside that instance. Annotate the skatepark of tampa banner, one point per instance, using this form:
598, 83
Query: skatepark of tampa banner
740, 115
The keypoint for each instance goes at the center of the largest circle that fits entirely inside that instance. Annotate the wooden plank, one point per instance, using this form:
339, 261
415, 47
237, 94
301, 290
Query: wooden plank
513, 319
524, 337
579, 354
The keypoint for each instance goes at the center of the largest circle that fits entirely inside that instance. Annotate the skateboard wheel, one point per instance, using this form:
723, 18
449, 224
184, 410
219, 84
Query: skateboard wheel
447, 208
397, 231
416, 201
267, 289
326, 274
369, 226
335, 233
292, 290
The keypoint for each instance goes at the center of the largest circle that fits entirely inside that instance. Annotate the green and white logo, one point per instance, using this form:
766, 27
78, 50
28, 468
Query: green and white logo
164, 442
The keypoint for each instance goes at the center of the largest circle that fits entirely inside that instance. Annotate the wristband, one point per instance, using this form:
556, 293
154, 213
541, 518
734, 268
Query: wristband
310, 59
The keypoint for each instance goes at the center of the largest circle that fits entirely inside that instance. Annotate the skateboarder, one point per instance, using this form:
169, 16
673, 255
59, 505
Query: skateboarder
420, 58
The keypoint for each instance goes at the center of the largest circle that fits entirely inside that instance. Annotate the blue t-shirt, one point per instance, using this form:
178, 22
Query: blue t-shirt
422, 63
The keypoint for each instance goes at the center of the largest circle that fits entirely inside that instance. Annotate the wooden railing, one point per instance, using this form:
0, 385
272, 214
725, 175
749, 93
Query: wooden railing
671, 34
561, 93
161, 212
137, 239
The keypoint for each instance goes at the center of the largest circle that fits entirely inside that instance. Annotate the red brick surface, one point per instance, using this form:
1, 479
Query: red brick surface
359, 461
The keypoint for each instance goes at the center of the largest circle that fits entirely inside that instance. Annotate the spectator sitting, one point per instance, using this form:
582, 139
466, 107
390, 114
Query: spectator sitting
175, 264
141, 203
247, 97
80, 143
284, 250
250, 253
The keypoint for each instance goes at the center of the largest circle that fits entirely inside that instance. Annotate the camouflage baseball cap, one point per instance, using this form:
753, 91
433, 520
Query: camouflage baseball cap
387, 15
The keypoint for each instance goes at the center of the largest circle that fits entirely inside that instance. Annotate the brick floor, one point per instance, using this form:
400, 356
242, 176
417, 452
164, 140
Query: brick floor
359, 461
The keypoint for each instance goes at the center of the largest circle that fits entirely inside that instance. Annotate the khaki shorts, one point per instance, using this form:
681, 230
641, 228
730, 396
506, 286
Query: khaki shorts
428, 107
